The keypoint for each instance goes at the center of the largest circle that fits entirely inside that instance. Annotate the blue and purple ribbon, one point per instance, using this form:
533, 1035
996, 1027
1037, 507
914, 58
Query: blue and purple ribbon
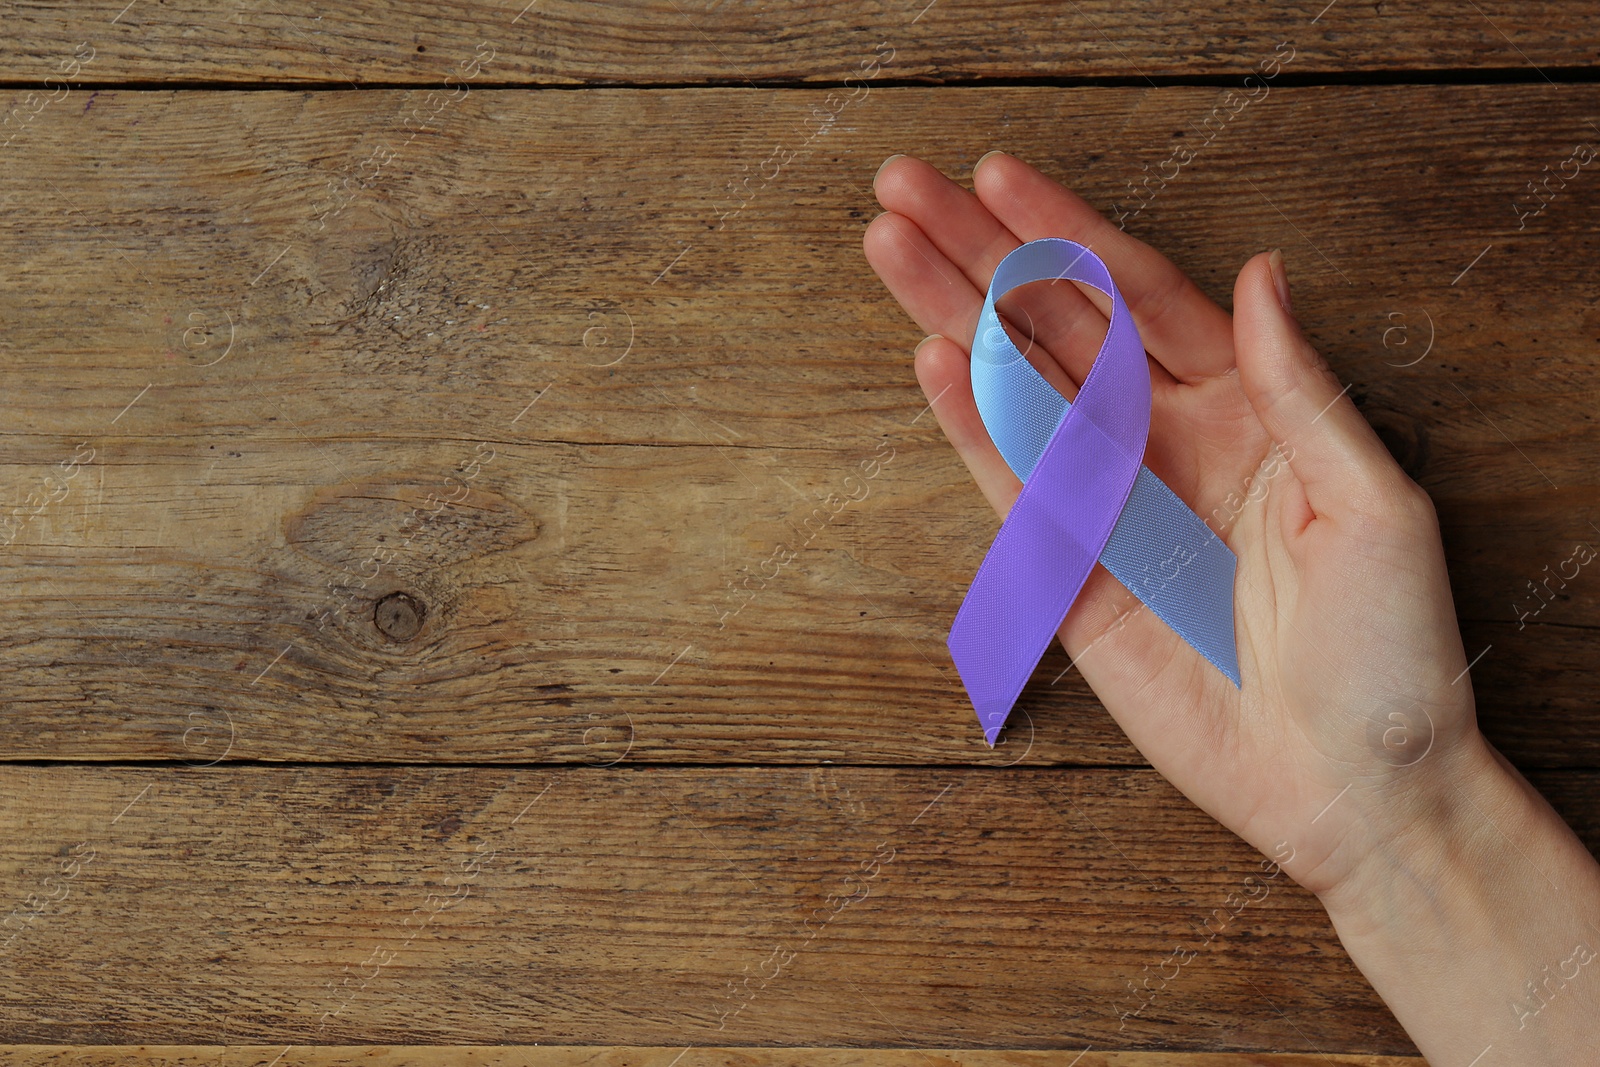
1085, 497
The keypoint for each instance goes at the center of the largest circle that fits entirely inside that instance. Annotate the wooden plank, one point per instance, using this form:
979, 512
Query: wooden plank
907, 907
667, 1056
566, 42
252, 379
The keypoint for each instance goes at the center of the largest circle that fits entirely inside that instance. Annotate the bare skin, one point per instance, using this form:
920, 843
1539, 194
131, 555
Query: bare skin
1351, 754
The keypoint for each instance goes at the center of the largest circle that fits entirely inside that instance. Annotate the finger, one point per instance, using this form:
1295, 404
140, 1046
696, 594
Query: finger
934, 293
1331, 448
1182, 328
958, 224
944, 371
961, 227
939, 296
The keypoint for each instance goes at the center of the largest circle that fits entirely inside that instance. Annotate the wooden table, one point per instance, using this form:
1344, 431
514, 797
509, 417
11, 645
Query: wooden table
403, 402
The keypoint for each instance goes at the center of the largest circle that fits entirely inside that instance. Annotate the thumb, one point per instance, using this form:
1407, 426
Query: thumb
1331, 448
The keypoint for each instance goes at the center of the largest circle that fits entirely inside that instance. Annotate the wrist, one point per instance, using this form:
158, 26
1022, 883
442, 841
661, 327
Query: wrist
1474, 911
1427, 830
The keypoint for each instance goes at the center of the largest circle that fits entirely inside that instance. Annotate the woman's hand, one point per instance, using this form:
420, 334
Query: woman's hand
1354, 683
1351, 753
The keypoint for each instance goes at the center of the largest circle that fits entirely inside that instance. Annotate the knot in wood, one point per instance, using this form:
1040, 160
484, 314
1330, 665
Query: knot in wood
399, 616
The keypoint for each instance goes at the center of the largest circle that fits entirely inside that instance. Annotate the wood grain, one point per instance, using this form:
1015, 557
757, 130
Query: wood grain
571, 364
259, 385
592, 1056
565, 42
859, 907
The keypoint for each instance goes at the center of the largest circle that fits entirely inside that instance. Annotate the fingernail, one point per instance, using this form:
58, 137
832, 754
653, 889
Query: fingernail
1280, 280
885, 163
985, 156
925, 340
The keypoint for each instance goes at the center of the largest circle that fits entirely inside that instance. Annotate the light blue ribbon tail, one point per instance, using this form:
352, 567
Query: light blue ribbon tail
1159, 549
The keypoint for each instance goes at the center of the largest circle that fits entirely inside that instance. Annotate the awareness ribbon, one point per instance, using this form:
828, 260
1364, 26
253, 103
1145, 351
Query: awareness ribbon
1085, 497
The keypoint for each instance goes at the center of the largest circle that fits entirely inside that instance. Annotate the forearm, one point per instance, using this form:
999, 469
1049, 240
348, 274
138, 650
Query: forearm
1478, 923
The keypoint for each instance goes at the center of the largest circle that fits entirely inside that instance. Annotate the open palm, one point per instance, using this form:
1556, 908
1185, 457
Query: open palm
1349, 651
